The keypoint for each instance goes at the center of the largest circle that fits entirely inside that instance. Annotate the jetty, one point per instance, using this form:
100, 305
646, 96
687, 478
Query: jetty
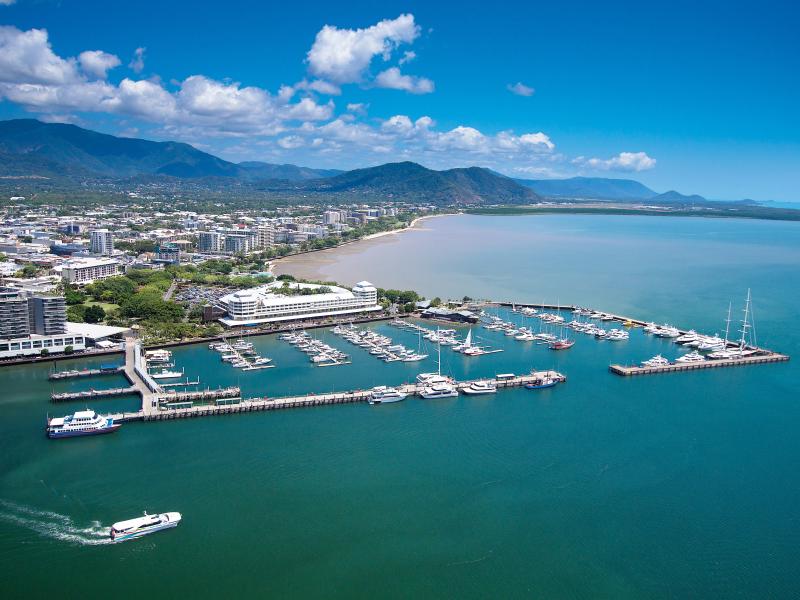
767, 357
93, 394
175, 407
76, 373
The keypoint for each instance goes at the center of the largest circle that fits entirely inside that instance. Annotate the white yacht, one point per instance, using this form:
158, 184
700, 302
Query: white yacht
691, 357
134, 528
438, 390
166, 374
385, 395
480, 387
656, 361
157, 356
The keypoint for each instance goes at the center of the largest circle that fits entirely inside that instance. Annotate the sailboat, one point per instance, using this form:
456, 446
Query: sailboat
563, 343
435, 386
742, 349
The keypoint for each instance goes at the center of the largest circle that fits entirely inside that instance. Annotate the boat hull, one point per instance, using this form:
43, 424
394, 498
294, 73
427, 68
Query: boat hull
54, 435
540, 386
131, 536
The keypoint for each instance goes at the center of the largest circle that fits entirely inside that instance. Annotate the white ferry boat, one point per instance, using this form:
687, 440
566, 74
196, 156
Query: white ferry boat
134, 528
385, 395
83, 422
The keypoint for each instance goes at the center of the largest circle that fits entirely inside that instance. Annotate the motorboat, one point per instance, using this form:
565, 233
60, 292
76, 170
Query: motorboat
691, 357
480, 387
166, 374
656, 361
123, 531
81, 423
541, 383
438, 390
385, 395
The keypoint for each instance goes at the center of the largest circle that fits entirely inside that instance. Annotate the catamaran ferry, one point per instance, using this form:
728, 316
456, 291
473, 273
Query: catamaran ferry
83, 422
133, 528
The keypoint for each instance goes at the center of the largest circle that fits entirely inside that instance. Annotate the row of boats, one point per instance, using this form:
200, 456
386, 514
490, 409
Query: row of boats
378, 345
447, 337
319, 353
526, 334
241, 354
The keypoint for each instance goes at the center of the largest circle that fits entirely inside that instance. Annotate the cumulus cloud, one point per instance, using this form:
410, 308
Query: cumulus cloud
97, 63
290, 142
7, 2
358, 108
408, 56
624, 161
343, 55
393, 79
520, 89
137, 62
27, 56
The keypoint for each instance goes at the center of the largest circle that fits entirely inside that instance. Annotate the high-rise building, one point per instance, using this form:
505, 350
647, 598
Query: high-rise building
47, 315
209, 241
266, 236
238, 243
102, 242
331, 217
82, 271
14, 320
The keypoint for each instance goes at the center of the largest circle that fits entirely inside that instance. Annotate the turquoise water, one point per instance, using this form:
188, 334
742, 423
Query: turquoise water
668, 486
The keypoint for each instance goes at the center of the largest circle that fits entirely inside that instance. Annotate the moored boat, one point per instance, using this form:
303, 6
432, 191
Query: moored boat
81, 423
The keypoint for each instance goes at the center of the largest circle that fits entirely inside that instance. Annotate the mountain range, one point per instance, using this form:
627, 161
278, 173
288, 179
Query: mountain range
31, 148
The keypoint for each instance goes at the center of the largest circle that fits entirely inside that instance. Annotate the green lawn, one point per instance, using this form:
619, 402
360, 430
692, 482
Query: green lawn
106, 306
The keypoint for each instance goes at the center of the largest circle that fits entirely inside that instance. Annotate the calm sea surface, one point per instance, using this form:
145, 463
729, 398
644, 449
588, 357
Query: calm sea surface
684, 485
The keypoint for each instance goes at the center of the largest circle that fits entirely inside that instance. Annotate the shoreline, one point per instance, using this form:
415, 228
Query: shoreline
286, 261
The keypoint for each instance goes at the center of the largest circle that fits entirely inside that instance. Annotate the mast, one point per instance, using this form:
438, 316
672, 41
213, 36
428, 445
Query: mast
728, 324
745, 326
439, 353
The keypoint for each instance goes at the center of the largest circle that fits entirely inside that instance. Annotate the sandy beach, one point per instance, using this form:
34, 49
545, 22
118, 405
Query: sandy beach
310, 265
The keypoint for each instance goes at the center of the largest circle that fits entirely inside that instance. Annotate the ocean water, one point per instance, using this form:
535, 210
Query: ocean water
682, 485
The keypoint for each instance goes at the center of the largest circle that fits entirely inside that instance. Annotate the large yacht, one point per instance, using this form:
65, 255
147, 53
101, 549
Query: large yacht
691, 357
133, 528
83, 422
480, 387
385, 395
656, 361
438, 390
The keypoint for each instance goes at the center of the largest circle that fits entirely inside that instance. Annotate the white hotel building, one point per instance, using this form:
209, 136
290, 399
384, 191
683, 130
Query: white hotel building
263, 305
83, 271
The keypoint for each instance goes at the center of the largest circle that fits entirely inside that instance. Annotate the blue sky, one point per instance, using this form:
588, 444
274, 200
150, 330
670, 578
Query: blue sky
703, 99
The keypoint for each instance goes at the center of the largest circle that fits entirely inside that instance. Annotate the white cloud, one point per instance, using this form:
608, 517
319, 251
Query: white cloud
137, 62
624, 161
520, 89
408, 56
27, 56
97, 62
358, 108
393, 79
7, 2
343, 55
290, 142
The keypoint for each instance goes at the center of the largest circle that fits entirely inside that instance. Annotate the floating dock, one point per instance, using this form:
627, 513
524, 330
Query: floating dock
93, 394
770, 357
75, 373
262, 404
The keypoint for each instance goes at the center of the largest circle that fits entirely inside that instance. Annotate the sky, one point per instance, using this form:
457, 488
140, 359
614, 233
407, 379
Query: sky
698, 97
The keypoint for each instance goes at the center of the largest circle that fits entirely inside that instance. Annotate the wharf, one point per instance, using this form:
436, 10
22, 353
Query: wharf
770, 357
93, 394
262, 404
75, 373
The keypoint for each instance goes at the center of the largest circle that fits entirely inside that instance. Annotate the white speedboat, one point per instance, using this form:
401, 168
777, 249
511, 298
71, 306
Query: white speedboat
134, 528
691, 357
438, 390
480, 387
656, 361
385, 395
166, 374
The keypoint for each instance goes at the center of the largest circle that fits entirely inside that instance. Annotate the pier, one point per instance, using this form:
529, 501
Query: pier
262, 404
76, 373
770, 357
93, 394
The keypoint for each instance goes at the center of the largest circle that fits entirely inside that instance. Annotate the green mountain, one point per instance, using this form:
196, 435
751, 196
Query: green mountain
599, 188
31, 148
413, 182
262, 170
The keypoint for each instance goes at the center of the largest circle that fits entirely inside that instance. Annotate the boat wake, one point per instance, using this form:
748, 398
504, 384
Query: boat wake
54, 525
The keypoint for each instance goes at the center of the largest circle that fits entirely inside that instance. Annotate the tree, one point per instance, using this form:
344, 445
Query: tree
75, 313
45, 352
94, 314
69, 350
74, 296
436, 302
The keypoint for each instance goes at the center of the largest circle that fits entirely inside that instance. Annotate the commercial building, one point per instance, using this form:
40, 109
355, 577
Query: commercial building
238, 243
168, 252
269, 303
101, 242
209, 241
82, 271
34, 344
331, 217
47, 315
14, 320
